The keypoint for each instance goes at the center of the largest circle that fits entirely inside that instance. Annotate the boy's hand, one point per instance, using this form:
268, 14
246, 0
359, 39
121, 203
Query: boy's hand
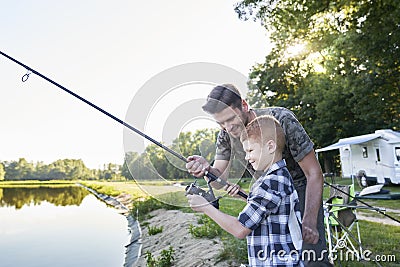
198, 203
232, 190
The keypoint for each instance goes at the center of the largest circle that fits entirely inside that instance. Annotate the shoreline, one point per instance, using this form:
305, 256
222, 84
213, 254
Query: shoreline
188, 250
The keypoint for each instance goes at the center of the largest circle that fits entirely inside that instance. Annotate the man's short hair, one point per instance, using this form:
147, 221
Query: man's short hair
265, 128
221, 97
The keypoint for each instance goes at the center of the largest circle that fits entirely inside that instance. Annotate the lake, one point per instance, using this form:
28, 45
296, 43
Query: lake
64, 226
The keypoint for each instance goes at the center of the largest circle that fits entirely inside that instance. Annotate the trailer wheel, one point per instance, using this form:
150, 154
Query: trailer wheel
362, 179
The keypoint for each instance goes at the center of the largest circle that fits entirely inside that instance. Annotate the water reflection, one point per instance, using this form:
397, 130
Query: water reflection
59, 227
19, 196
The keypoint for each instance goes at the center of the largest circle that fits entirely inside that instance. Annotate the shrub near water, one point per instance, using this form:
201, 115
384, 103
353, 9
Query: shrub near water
165, 260
141, 209
207, 229
234, 249
153, 230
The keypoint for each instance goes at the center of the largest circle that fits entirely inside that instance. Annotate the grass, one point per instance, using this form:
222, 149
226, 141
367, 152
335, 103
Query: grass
153, 230
206, 229
392, 206
383, 241
165, 260
378, 238
36, 183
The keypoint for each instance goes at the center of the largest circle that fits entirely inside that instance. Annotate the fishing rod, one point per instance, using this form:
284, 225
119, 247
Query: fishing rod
211, 176
362, 202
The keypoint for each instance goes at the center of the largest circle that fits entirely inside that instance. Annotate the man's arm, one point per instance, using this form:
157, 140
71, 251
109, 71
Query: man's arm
227, 222
312, 170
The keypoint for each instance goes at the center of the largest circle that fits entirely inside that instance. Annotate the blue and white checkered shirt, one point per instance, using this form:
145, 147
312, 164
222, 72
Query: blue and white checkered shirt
273, 213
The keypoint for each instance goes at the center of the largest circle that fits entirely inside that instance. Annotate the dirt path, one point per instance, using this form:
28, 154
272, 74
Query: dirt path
378, 218
189, 251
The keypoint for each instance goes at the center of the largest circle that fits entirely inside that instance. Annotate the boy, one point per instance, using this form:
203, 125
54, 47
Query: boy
271, 218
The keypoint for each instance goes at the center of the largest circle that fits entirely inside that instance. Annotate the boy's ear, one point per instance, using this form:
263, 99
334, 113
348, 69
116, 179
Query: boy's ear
271, 146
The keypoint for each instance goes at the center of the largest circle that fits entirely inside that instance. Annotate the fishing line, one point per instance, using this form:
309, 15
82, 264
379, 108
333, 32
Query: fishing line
362, 202
25, 77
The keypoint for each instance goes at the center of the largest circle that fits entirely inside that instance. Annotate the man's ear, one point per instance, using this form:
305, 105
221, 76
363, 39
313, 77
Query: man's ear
245, 106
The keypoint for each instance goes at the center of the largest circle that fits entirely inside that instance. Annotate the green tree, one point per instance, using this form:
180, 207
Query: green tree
155, 162
142, 169
130, 158
67, 169
345, 79
111, 171
19, 170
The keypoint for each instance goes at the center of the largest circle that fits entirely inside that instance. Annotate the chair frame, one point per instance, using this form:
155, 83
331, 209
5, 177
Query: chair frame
339, 236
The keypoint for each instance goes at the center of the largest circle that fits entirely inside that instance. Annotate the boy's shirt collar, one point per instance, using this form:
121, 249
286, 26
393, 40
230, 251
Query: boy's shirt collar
275, 166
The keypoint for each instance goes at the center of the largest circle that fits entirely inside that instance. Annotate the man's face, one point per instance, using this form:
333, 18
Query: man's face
231, 120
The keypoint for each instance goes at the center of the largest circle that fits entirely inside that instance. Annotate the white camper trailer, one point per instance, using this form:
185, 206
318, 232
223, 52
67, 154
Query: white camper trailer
372, 158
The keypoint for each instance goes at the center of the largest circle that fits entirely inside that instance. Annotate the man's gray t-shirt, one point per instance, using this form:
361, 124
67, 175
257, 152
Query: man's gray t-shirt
298, 143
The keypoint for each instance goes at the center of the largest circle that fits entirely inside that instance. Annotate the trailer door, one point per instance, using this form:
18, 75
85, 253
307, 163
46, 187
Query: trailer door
397, 165
380, 175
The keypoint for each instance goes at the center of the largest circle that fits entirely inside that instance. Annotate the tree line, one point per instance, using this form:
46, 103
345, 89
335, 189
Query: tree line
62, 169
152, 164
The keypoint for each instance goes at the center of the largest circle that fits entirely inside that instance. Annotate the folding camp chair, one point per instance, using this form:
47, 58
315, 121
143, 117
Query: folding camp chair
342, 229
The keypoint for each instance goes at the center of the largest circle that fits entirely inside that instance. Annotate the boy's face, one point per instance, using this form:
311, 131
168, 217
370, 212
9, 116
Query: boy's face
258, 155
231, 120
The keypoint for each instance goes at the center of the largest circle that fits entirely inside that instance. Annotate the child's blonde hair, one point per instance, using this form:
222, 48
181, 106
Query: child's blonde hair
263, 129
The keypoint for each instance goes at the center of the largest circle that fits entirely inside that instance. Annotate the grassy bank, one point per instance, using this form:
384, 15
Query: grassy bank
382, 240
36, 183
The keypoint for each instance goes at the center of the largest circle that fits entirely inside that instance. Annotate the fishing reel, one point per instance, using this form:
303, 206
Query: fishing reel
193, 189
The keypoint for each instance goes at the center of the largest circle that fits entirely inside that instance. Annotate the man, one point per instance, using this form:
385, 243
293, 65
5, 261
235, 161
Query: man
232, 113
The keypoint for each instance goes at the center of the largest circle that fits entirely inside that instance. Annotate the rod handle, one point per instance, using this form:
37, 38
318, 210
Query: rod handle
223, 183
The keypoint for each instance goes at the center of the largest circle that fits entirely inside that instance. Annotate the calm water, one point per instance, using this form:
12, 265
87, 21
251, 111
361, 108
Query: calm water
59, 227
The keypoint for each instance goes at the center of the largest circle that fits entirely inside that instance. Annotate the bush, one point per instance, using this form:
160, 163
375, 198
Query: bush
207, 229
165, 260
154, 230
141, 209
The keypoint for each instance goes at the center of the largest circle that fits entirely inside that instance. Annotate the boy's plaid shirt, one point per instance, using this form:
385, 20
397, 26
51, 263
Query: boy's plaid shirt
267, 213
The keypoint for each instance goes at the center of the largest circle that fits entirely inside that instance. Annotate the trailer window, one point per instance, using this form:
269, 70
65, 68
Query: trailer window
365, 152
378, 155
397, 151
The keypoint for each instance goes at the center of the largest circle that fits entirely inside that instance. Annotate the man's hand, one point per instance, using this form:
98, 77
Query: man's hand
312, 170
310, 233
197, 165
198, 203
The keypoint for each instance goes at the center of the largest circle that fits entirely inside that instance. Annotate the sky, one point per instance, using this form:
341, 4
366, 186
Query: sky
108, 52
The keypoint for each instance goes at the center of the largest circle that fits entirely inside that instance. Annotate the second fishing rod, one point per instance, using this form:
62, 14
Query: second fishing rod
211, 177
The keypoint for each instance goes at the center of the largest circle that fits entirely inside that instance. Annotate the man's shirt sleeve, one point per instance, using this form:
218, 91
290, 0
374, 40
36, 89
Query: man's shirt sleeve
298, 141
223, 150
